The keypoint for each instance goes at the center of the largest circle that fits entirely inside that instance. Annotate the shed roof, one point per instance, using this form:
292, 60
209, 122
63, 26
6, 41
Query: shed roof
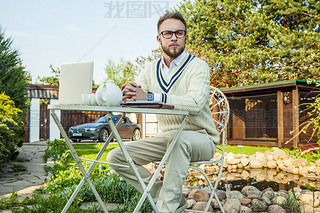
42, 91
272, 87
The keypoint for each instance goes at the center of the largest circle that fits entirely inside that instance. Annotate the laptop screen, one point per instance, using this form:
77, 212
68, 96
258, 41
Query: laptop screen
75, 80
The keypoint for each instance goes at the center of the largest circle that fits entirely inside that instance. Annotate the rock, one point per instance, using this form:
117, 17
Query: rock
233, 161
295, 171
280, 164
258, 205
299, 162
245, 174
260, 155
198, 195
245, 201
303, 170
290, 168
308, 199
245, 209
275, 209
287, 162
239, 166
267, 189
263, 162
185, 192
236, 195
190, 203
200, 206
221, 194
276, 157
215, 204
306, 209
249, 190
279, 152
232, 206
312, 169
269, 194
244, 161
269, 156
210, 170
255, 163
272, 164
254, 196
284, 156
278, 200
317, 162
267, 200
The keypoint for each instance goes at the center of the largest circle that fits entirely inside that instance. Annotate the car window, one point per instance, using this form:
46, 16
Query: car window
102, 120
114, 119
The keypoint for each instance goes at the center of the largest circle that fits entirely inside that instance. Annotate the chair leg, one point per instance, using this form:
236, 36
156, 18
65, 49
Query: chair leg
213, 188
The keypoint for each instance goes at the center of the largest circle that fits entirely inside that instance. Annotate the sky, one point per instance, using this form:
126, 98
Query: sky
56, 32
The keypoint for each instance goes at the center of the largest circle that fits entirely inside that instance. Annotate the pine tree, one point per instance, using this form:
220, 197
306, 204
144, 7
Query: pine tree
13, 77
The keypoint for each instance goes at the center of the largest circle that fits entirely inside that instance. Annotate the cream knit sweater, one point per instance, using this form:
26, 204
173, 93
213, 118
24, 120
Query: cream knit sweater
188, 89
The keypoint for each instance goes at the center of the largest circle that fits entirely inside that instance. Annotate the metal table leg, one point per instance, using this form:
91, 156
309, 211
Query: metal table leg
129, 160
77, 159
155, 175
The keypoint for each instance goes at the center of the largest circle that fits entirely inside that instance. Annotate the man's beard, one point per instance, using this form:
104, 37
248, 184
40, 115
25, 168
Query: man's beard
174, 52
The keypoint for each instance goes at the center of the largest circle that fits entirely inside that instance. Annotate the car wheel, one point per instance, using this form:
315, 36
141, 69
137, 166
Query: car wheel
103, 135
74, 140
136, 134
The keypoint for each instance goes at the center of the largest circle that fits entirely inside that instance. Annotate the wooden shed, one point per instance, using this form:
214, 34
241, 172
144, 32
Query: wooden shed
270, 114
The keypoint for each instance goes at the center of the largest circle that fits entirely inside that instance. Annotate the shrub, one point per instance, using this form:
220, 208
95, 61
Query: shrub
11, 129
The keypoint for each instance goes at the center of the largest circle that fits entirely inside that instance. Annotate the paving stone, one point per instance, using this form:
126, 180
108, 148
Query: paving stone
25, 182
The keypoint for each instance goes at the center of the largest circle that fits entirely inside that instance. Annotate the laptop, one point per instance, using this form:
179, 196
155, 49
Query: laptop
75, 80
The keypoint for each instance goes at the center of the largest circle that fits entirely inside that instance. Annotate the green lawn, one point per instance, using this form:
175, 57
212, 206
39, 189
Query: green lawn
90, 151
250, 150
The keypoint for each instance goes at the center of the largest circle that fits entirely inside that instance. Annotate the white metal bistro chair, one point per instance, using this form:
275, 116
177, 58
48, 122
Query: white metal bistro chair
220, 110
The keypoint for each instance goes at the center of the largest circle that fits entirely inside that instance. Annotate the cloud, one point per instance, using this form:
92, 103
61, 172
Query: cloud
17, 34
71, 28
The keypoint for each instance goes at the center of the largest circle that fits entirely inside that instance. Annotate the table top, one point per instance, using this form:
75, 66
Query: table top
81, 107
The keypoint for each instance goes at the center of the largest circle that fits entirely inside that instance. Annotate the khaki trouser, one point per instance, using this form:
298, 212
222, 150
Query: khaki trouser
191, 146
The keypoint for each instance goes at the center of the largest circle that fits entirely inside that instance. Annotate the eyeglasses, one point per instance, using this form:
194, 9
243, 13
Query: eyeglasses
169, 34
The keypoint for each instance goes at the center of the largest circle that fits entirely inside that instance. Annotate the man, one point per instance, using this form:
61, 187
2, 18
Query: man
182, 80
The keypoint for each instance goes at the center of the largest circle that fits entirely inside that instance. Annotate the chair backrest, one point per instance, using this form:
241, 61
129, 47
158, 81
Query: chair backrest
219, 106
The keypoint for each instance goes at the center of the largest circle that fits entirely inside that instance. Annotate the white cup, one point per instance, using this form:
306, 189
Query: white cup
86, 99
93, 100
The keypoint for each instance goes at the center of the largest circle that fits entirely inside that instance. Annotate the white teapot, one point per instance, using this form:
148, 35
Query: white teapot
108, 94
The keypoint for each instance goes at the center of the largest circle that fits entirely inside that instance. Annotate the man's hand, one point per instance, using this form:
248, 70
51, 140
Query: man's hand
132, 91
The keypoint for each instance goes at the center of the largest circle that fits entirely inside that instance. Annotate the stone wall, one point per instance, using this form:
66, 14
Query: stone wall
251, 199
275, 166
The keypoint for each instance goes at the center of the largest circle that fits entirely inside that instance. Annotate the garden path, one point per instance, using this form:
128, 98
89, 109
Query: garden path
24, 182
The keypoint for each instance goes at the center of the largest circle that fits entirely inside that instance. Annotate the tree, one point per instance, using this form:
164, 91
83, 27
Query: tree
51, 80
121, 72
13, 78
255, 41
155, 54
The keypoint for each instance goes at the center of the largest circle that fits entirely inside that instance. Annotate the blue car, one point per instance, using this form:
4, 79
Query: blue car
100, 130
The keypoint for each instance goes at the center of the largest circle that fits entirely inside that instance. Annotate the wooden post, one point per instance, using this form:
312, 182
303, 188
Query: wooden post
295, 114
280, 118
140, 122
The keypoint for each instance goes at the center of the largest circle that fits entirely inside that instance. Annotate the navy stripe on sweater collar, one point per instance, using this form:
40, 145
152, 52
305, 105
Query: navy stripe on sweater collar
162, 82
